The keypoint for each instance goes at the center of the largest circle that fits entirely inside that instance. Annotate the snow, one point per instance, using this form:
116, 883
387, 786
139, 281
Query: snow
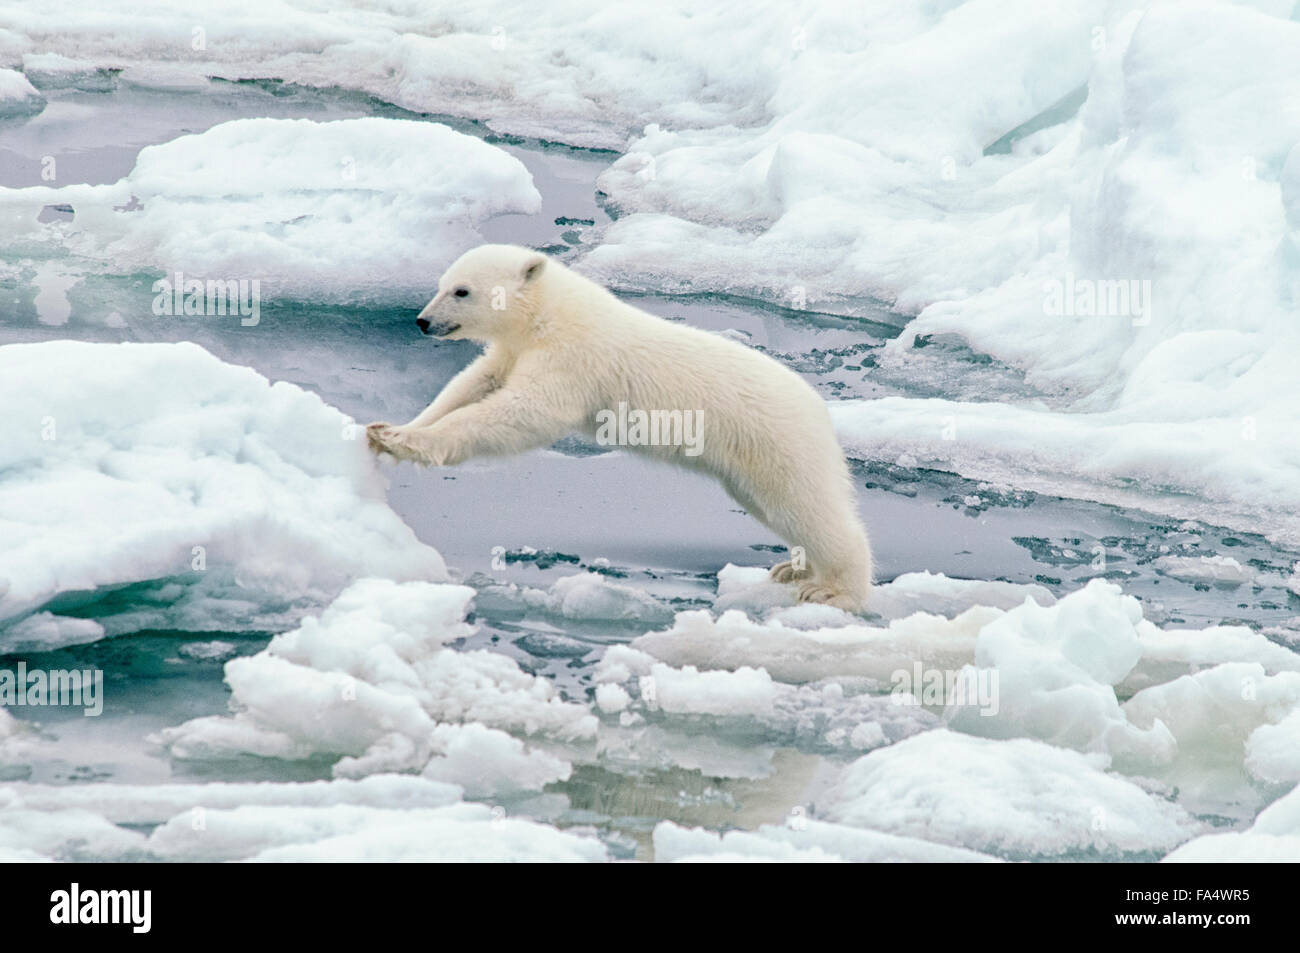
1059, 674
1055, 670
1215, 570
1213, 715
18, 97
611, 698
15, 741
364, 211
873, 180
489, 763
470, 833
964, 162
150, 804
372, 683
585, 596
54, 71
1273, 838
1101, 197
381, 818
801, 841
202, 495
581, 72
749, 589
1017, 799
745, 691
1169, 653
940, 595
733, 640
63, 834
1273, 750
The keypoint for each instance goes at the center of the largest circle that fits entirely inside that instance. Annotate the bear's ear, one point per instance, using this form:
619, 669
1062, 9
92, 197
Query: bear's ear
533, 267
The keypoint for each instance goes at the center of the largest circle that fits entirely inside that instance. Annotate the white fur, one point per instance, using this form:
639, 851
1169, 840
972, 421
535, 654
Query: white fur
560, 348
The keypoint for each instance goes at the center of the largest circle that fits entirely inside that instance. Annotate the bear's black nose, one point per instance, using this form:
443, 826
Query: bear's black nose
423, 325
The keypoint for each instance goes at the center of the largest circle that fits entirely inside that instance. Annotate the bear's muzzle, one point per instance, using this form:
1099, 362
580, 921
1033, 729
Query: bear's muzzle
437, 330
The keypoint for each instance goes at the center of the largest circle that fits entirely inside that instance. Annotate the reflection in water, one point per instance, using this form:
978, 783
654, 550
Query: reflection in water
52, 282
632, 804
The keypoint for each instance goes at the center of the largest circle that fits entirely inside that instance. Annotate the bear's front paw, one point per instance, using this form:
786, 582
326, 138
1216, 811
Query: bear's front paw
389, 439
378, 436
404, 443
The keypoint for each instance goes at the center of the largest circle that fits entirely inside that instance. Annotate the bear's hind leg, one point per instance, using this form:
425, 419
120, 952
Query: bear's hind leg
837, 553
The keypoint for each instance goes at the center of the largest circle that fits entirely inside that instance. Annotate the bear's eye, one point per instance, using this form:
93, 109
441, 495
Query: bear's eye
461, 292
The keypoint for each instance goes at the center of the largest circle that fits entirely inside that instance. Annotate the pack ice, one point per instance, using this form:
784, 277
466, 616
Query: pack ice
154, 486
364, 211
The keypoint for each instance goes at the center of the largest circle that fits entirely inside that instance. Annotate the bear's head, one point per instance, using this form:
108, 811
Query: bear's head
486, 295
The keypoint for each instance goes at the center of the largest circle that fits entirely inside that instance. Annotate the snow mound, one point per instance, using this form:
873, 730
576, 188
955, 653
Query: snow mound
1058, 673
1105, 197
464, 833
941, 595
801, 841
585, 596
832, 715
174, 491
380, 818
373, 684
16, 742
582, 73
1109, 205
733, 640
150, 804
1273, 838
751, 590
1017, 799
358, 211
1056, 667
1273, 750
1214, 716
18, 97
1214, 570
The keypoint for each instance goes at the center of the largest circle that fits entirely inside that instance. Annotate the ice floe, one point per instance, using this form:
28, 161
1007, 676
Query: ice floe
384, 817
364, 211
1274, 837
1018, 799
18, 97
171, 490
373, 686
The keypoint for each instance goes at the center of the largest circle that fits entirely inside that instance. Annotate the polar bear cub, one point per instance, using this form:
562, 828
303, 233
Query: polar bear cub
564, 354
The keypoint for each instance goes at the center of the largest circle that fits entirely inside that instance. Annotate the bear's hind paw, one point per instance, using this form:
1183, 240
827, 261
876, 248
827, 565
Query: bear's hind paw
817, 592
784, 572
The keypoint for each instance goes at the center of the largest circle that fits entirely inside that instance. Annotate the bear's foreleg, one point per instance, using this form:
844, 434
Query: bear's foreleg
505, 422
471, 385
